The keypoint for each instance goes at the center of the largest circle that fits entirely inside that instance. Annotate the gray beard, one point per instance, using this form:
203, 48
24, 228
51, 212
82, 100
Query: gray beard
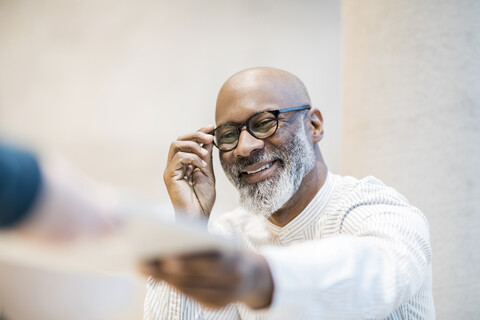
296, 158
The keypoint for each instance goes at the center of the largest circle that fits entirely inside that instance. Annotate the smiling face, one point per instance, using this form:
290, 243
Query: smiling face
267, 172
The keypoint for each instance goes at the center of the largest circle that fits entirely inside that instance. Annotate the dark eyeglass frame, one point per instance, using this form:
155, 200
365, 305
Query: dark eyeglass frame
246, 124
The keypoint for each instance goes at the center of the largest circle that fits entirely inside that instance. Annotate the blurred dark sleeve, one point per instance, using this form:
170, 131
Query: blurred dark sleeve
20, 183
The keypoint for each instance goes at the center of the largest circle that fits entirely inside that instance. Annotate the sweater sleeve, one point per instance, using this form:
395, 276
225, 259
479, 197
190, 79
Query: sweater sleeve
368, 275
20, 183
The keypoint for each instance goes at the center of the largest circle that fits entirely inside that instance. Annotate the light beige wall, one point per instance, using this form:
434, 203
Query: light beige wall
111, 83
411, 114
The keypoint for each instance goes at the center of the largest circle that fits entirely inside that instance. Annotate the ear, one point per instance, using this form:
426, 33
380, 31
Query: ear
315, 124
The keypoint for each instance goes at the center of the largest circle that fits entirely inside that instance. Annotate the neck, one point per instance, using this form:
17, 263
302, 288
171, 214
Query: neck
311, 184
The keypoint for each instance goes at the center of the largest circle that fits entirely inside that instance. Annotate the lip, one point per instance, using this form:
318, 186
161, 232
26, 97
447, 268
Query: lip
260, 175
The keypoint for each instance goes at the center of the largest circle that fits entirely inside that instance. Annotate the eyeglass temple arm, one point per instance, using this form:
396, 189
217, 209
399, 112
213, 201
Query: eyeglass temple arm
295, 108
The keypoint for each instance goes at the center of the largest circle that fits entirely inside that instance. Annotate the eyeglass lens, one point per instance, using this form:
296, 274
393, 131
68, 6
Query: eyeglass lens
261, 126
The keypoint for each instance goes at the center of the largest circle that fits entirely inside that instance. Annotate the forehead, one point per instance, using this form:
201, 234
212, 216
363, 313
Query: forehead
242, 110
239, 100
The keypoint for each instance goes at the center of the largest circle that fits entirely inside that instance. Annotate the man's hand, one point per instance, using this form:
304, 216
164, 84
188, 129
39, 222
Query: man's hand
218, 278
189, 174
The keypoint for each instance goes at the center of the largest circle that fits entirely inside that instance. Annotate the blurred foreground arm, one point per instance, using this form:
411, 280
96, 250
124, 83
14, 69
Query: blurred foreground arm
50, 199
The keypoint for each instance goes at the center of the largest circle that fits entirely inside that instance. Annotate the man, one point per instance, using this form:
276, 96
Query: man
317, 245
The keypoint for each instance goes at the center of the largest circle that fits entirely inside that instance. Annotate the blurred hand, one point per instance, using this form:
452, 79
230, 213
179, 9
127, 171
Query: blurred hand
189, 176
70, 205
216, 279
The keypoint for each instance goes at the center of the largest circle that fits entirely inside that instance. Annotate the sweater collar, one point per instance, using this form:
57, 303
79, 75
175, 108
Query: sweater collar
312, 212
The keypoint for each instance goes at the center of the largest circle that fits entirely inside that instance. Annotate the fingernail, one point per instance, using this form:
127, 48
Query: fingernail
204, 163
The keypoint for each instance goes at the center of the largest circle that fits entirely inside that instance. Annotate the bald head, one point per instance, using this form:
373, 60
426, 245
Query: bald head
258, 89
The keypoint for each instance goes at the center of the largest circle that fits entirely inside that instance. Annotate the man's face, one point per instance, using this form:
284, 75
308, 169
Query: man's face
269, 172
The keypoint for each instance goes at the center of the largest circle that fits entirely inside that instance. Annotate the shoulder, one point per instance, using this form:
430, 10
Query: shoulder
369, 200
368, 191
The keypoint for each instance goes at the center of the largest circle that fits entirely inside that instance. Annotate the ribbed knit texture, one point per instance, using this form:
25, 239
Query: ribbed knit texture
357, 251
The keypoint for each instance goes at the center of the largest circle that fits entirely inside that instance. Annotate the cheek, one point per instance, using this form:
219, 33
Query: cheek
278, 139
226, 157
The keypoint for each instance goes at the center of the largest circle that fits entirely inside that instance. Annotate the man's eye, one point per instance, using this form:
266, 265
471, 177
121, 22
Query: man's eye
229, 136
264, 125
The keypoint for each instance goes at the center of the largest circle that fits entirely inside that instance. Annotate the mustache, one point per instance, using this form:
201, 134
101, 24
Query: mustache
234, 169
260, 155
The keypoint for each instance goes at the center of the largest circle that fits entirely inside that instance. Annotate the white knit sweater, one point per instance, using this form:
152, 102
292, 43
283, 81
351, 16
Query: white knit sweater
359, 250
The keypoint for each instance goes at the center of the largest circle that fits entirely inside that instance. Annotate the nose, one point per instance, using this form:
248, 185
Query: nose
247, 144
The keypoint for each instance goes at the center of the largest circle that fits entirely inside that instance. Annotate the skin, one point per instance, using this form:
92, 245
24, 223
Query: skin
70, 205
218, 278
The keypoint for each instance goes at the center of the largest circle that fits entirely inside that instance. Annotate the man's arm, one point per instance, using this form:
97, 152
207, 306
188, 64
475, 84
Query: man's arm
368, 275
190, 183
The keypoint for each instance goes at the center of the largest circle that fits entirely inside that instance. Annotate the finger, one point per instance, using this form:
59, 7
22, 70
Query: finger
207, 129
211, 264
184, 282
211, 254
186, 146
208, 146
183, 158
208, 158
176, 276
203, 137
178, 166
209, 155
189, 171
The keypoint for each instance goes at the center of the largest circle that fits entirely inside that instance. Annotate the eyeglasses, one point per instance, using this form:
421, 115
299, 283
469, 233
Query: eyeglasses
261, 125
